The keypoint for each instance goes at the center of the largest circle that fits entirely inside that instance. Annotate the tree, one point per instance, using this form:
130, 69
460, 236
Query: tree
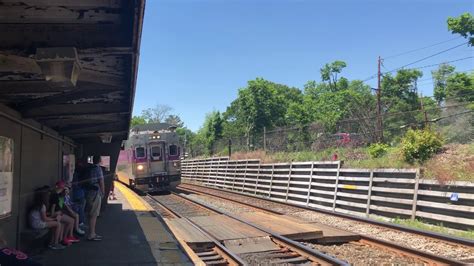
174, 120
329, 73
440, 77
257, 106
400, 100
137, 120
463, 25
157, 114
210, 132
461, 87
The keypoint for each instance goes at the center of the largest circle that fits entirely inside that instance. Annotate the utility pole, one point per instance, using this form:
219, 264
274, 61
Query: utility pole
379, 105
424, 112
265, 138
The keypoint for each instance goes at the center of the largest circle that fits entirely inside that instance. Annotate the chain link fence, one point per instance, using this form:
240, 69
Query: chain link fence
454, 121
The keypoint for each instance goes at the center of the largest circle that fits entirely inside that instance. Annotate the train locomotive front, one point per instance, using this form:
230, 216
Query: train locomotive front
150, 160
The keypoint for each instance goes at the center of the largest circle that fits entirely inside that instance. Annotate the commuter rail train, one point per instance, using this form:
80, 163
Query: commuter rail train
150, 158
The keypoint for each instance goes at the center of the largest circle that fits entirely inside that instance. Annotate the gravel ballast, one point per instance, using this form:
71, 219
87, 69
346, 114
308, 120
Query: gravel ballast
426, 244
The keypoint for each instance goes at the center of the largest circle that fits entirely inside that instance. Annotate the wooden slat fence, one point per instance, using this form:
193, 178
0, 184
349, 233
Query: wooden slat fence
326, 185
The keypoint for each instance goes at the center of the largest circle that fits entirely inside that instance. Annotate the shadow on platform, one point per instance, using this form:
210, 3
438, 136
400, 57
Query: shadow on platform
124, 243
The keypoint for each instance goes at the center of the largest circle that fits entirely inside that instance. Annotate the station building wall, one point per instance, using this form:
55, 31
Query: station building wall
38, 161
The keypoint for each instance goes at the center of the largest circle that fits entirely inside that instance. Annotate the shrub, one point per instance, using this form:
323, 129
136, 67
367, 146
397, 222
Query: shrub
378, 150
420, 145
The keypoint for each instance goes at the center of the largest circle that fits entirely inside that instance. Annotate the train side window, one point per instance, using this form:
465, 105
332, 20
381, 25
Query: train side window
173, 150
140, 152
156, 152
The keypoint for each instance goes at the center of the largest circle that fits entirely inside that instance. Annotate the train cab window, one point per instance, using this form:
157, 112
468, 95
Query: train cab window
140, 152
173, 150
155, 152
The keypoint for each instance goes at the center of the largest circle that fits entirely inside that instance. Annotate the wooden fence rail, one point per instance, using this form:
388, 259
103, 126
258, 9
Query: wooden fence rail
392, 193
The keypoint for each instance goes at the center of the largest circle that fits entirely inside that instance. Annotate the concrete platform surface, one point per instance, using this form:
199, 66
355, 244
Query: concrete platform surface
132, 236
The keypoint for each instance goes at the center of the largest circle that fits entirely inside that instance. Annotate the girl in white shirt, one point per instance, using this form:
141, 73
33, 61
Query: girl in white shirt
40, 220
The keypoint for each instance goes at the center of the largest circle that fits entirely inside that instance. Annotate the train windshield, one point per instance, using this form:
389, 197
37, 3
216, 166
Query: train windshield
173, 150
156, 152
140, 152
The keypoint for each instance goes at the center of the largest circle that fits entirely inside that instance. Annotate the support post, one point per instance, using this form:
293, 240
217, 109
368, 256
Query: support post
265, 139
369, 194
425, 114
256, 182
289, 180
209, 172
226, 173
235, 176
229, 148
379, 104
271, 182
309, 185
245, 175
415, 194
335, 187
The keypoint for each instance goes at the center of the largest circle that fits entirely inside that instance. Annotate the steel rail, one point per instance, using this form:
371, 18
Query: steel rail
437, 236
236, 259
431, 259
320, 256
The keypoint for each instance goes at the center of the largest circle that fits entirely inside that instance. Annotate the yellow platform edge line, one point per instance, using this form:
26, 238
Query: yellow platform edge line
136, 203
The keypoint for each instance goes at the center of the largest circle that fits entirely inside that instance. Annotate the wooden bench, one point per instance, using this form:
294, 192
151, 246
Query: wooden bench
32, 239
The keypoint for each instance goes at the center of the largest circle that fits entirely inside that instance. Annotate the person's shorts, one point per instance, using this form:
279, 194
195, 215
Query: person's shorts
93, 202
38, 225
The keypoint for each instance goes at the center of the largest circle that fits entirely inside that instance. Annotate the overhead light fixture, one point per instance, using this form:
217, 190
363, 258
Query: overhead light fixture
106, 138
59, 65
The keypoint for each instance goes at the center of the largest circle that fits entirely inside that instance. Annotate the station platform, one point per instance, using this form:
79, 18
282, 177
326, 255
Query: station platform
131, 236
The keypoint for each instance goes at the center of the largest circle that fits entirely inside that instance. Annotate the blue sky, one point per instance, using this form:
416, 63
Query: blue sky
195, 55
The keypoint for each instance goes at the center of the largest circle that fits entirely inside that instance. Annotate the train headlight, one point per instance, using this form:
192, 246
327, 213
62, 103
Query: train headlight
140, 167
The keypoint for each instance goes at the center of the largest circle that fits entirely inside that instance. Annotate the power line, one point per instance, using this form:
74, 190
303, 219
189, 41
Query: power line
422, 48
427, 57
431, 79
406, 112
426, 66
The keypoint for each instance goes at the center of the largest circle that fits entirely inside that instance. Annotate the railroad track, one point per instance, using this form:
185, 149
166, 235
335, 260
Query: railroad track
433, 235
289, 252
427, 258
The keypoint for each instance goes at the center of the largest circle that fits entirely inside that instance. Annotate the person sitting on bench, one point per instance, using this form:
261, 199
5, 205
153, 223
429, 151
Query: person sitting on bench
40, 220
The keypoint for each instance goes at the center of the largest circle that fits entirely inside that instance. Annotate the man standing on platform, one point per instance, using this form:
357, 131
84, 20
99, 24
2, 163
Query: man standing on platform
94, 197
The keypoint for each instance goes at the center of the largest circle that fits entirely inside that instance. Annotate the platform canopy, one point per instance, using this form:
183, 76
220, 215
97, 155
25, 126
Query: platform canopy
71, 64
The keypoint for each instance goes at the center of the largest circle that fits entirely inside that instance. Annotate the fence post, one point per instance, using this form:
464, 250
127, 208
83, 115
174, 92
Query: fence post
335, 187
289, 180
230, 148
264, 138
271, 182
235, 174
245, 175
309, 185
256, 182
226, 174
369, 194
209, 172
216, 174
415, 194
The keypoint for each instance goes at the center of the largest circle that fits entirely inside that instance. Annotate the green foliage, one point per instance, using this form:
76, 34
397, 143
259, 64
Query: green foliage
377, 150
463, 25
174, 120
330, 71
440, 77
438, 228
420, 145
137, 120
206, 137
461, 87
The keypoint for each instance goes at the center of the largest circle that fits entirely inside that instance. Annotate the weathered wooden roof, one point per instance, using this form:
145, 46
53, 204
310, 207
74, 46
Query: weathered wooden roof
98, 40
